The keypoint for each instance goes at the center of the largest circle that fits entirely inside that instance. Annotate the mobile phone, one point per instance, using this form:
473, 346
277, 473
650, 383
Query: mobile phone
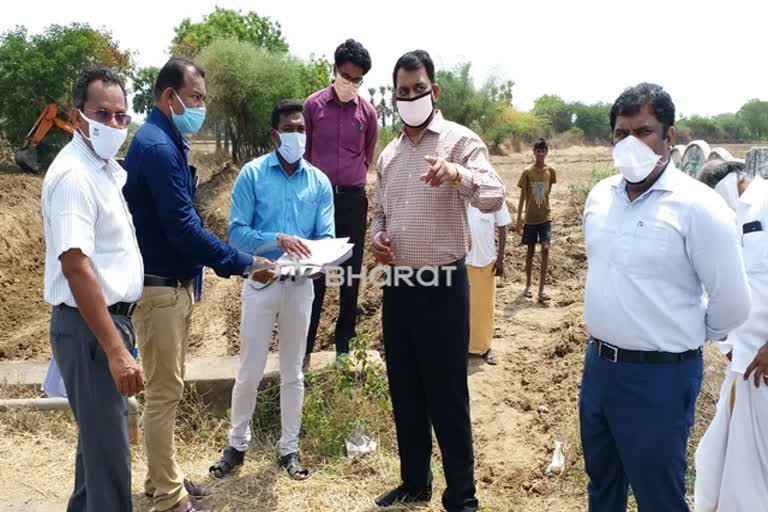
751, 227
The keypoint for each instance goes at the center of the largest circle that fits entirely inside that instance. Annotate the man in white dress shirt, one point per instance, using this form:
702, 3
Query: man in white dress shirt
93, 276
655, 239
732, 458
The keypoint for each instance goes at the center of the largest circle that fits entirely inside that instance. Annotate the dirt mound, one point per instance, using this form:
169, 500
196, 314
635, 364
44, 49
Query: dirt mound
23, 313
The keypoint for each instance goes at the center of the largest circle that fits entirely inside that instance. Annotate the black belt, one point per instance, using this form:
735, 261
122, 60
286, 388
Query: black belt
120, 308
168, 281
620, 355
347, 189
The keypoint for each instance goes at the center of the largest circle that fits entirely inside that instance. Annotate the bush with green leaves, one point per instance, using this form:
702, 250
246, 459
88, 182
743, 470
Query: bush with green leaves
245, 82
352, 395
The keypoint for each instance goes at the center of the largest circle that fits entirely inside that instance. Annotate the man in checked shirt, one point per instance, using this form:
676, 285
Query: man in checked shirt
425, 179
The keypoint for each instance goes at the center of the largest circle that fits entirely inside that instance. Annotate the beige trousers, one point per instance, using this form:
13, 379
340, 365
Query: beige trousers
482, 303
162, 320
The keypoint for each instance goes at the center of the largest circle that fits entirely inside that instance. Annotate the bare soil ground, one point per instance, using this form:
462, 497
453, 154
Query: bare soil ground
519, 407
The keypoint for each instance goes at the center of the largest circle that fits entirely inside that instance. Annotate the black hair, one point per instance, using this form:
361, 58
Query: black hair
106, 75
283, 108
634, 98
353, 52
412, 61
541, 144
172, 74
713, 172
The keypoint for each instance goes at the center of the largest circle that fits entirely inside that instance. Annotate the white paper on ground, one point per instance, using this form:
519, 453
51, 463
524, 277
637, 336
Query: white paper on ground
558, 460
53, 384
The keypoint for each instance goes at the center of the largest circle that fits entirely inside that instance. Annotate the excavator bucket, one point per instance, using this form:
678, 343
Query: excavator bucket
26, 158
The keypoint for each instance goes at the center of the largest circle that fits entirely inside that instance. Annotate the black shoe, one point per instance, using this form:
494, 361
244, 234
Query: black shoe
402, 495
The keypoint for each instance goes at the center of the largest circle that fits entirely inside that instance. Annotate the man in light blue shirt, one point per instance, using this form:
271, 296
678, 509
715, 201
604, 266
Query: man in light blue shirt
655, 240
279, 200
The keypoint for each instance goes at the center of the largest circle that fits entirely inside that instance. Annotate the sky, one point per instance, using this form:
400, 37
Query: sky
710, 58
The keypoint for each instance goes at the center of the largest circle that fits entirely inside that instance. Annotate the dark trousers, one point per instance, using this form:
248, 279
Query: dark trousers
635, 421
426, 340
350, 213
103, 460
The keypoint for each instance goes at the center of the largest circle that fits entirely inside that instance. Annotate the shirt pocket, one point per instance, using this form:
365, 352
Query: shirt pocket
755, 251
306, 210
644, 249
353, 134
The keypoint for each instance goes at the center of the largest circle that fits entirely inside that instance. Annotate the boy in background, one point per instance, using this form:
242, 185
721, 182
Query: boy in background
535, 184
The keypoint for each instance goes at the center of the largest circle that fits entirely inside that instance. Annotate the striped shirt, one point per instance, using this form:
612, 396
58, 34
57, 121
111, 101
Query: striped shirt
83, 208
428, 225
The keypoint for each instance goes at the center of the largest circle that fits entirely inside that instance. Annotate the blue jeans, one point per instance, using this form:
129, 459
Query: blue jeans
635, 420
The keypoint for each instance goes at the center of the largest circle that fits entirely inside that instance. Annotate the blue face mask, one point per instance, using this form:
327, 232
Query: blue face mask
292, 146
191, 120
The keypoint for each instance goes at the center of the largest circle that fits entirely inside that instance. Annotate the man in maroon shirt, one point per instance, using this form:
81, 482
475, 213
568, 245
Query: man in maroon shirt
342, 129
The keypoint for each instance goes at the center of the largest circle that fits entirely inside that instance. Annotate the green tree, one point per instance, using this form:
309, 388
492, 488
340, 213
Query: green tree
556, 112
42, 68
704, 128
192, 37
245, 82
755, 116
734, 127
593, 120
144, 89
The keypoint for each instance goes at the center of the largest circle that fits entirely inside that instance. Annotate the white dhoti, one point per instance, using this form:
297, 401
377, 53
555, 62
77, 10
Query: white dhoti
732, 458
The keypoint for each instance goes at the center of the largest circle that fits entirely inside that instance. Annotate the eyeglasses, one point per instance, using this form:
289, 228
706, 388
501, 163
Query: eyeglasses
104, 116
348, 79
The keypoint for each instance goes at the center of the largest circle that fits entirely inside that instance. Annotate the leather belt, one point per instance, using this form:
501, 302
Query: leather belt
120, 308
150, 280
619, 355
347, 189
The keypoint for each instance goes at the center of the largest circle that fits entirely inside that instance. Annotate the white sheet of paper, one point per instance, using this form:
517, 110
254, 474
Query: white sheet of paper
53, 384
325, 253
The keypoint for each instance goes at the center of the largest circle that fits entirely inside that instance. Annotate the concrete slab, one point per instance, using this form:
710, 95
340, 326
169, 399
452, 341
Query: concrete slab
212, 377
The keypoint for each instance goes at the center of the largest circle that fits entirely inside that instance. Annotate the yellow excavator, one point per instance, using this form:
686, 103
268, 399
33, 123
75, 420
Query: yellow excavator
26, 157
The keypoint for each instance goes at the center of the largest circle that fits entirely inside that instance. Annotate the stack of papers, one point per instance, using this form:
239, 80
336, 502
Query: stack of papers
329, 252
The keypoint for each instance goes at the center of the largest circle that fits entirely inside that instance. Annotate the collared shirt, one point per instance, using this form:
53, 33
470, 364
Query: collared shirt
747, 339
267, 201
83, 208
428, 225
650, 260
341, 139
482, 227
160, 191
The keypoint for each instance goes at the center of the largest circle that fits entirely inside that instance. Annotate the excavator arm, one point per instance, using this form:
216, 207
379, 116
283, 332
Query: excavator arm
26, 157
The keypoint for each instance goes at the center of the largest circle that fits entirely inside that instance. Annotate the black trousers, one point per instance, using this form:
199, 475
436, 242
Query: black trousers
426, 339
350, 212
103, 459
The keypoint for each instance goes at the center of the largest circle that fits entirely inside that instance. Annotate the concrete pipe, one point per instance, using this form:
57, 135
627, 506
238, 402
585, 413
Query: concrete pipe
695, 156
720, 154
757, 162
676, 155
60, 404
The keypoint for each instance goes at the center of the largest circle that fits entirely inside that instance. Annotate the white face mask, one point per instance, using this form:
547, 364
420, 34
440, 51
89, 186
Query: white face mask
634, 159
728, 188
106, 141
415, 112
292, 146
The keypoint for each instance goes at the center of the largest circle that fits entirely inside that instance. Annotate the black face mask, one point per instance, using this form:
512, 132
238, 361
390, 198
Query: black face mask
416, 112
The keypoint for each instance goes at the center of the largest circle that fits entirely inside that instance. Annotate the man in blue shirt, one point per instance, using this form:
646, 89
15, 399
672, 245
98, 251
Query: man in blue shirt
278, 200
159, 190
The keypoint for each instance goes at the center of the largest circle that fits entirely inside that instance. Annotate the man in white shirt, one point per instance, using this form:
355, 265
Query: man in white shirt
655, 240
484, 264
732, 458
93, 277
